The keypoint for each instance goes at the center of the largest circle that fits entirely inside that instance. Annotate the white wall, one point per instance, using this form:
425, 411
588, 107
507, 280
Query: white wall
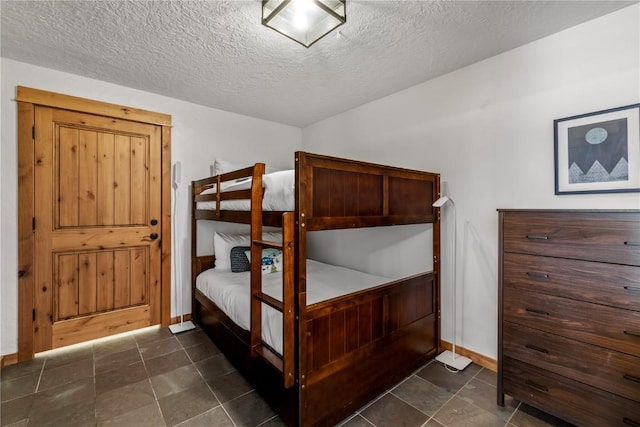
199, 135
488, 129
3, 275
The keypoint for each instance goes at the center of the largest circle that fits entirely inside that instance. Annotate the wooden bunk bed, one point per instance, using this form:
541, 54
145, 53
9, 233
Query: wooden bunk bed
338, 354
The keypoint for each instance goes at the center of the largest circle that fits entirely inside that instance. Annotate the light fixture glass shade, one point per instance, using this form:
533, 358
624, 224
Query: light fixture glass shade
304, 21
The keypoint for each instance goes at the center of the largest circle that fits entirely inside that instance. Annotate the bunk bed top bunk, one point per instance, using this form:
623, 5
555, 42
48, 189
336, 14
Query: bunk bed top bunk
340, 350
331, 193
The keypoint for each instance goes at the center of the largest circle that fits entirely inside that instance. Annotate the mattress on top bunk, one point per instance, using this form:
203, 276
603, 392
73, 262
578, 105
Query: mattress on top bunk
230, 292
279, 193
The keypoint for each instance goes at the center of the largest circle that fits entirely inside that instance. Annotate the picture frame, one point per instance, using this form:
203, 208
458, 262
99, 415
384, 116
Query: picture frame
598, 152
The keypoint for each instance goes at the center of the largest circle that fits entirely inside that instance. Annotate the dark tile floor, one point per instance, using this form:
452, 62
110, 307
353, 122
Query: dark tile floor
153, 378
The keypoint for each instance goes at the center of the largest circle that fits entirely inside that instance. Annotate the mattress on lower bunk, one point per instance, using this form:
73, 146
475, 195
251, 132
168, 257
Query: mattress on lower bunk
230, 292
279, 193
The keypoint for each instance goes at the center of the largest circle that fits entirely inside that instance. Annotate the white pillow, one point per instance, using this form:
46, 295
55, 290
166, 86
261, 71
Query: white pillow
280, 190
224, 242
224, 166
269, 169
221, 166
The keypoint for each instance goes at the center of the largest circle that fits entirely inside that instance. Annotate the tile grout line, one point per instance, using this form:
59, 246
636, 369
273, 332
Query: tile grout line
513, 413
517, 406
414, 407
452, 397
267, 420
95, 387
40, 376
144, 365
461, 388
207, 384
390, 391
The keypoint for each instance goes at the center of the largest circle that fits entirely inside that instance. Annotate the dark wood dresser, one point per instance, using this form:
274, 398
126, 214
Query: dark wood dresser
569, 313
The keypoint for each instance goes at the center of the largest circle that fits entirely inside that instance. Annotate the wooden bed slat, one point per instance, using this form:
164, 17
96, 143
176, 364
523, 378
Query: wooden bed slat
225, 195
272, 358
271, 219
269, 300
267, 244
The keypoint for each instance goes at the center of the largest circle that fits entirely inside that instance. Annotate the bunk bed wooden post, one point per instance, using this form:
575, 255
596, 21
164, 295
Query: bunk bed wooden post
256, 255
302, 181
194, 255
288, 301
436, 257
198, 263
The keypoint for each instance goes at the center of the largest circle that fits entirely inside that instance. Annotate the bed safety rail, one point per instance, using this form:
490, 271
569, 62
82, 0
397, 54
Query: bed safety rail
217, 182
284, 363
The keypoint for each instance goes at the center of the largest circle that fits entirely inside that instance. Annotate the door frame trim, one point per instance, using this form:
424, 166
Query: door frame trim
27, 99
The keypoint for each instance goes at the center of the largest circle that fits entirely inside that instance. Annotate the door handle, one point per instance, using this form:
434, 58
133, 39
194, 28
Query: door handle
150, 237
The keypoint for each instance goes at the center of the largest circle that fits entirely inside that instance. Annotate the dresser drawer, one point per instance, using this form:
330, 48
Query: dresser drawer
571, 400
609, 370
591, 323
609, 284
608, 237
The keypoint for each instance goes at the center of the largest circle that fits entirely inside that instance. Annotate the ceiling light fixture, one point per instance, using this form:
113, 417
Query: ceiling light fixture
304, 21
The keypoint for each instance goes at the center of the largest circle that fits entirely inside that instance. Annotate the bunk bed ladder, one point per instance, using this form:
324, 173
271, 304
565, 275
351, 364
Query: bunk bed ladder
284, 363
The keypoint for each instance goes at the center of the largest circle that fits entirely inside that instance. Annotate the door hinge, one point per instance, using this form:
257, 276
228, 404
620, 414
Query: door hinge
33, 132
33, 223
33, 314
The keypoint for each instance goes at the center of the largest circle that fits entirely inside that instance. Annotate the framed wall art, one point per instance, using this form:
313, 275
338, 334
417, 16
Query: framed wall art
598, 152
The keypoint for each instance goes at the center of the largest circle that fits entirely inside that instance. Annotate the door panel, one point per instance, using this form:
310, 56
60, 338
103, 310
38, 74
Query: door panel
66, 140
97, 256
89, 282
104, 281
66, 285
106, 177
101, 178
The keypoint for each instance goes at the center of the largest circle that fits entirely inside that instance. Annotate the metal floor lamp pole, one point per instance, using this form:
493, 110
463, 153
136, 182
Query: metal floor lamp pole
450, 358
188, 325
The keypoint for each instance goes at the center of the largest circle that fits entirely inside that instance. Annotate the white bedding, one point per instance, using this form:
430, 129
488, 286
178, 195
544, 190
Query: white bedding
230, 292
279, 194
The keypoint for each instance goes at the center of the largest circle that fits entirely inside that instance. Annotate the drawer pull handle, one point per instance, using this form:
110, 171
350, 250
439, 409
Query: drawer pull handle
630, 422
633, 334
537, 275
632, 288
632, 243
544, 313
536, 386
536, 348
534, 237
631, 378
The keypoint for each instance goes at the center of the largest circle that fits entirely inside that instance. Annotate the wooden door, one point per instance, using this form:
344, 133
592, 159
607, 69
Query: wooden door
97, 226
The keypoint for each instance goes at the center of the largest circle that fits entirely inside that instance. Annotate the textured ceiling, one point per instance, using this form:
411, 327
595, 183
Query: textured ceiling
216, 53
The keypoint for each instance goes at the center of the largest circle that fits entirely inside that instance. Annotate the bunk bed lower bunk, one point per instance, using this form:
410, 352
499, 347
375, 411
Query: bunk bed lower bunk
337, 349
